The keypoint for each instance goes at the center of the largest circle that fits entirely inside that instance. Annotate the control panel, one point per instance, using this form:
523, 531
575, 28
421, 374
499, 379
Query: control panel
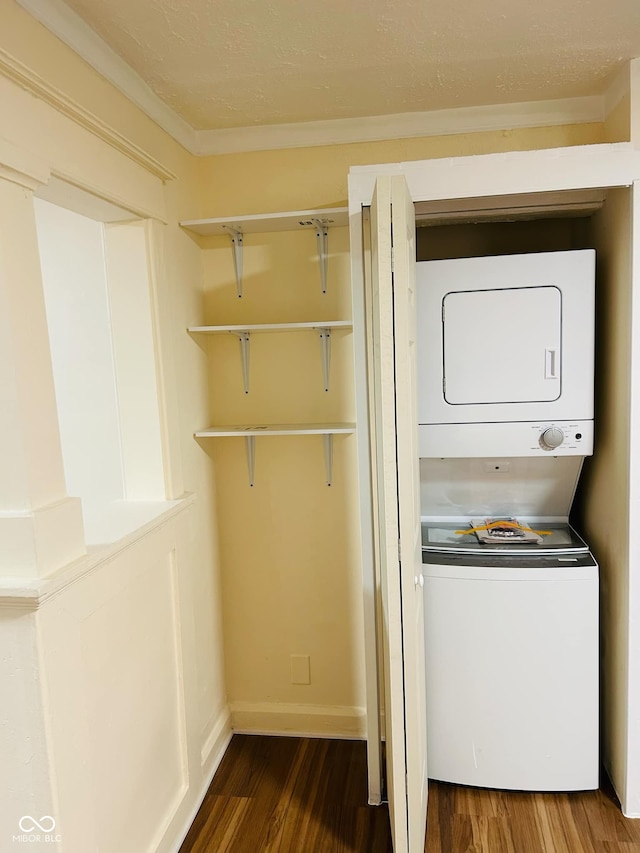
554, 437
539, 438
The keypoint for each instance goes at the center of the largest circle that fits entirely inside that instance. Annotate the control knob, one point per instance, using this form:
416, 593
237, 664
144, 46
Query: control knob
551, 438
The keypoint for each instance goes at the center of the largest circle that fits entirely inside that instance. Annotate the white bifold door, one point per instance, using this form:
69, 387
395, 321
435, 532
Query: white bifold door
396, 473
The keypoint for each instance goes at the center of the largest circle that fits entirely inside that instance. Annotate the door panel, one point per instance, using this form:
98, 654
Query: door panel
398, 496
411, 579
502, 346
383, 389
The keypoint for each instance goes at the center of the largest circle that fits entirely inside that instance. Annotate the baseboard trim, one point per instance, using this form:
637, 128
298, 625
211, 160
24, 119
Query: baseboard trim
217, 741
212, 753
297, 720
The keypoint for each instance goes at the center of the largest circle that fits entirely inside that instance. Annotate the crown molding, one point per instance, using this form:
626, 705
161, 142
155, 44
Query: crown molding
70, 28
402, 125
618, 89
73, 31
22, 167
14, 70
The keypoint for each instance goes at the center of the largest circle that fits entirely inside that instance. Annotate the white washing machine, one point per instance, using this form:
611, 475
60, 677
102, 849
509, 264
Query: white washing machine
512, 661
505, 399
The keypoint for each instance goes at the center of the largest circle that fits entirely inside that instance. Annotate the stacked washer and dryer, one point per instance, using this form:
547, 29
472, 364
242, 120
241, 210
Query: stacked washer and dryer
505, 399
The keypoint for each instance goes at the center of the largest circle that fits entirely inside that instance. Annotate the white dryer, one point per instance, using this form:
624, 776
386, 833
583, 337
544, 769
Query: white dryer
503, 341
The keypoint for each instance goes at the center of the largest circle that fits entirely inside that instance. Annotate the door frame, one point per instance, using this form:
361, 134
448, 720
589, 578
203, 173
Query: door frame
521, 173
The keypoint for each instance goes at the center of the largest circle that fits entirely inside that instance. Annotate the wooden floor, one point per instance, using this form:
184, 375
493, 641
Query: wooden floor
290, 795
299, 795
482, 821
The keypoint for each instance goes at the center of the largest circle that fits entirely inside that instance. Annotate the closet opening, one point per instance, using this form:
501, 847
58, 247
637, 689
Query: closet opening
562, 221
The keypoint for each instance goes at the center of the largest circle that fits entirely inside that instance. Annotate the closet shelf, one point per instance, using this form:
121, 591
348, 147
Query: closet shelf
293, 220
250, 431
236, 227
260, 223
271, 327
233, 431
244, 332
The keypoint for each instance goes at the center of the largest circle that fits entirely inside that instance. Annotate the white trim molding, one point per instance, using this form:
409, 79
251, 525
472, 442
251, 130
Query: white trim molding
71, 29
33, 593
402, 126
298, 720
68, 26
619, 88
217, 741
19, 73
22, 167
213, 751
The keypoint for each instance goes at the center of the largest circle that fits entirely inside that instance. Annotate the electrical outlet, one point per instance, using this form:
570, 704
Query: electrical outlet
300, 669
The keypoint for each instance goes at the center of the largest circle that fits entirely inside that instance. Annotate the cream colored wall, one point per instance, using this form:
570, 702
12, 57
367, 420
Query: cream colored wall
300, 178
605, 482
289, 546
128, 668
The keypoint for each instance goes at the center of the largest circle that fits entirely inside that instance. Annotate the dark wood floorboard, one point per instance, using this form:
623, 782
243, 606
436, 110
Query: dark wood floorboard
304, 795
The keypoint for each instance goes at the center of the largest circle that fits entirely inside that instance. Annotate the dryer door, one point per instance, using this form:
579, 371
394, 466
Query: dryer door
502, 345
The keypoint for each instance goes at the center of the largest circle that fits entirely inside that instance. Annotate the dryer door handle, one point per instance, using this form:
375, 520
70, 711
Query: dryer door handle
551, 363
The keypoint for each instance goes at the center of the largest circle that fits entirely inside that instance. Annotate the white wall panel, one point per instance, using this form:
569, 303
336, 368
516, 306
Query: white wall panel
78, 316
117, 649
134, 358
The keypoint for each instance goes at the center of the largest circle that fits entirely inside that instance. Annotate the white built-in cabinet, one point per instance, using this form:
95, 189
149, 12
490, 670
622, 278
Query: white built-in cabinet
236, 228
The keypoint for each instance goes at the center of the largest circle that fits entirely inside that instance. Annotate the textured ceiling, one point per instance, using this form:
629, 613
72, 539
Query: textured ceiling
224, 63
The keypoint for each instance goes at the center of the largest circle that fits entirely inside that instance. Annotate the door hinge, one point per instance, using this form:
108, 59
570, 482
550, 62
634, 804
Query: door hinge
444, 387
392, 260
399, 552
443, 312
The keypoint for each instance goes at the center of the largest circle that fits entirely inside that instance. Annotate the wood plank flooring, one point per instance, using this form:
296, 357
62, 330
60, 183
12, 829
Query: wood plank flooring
302, 795
484, 821
280, 794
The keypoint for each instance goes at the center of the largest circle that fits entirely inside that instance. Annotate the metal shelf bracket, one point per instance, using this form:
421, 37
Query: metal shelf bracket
244, 338
322, 237
236, 239
325, 354
327, 444
250, 447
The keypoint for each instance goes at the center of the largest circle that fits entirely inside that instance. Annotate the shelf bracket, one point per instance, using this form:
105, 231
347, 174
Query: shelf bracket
322, 236
236, 239
325, 354
244, 339
250, 447
327, 444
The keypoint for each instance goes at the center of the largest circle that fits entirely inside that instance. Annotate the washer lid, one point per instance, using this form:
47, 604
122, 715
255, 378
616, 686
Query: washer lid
449, 537
482, 487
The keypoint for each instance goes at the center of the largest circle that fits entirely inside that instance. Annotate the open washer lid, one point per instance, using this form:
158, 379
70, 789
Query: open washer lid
525, 487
